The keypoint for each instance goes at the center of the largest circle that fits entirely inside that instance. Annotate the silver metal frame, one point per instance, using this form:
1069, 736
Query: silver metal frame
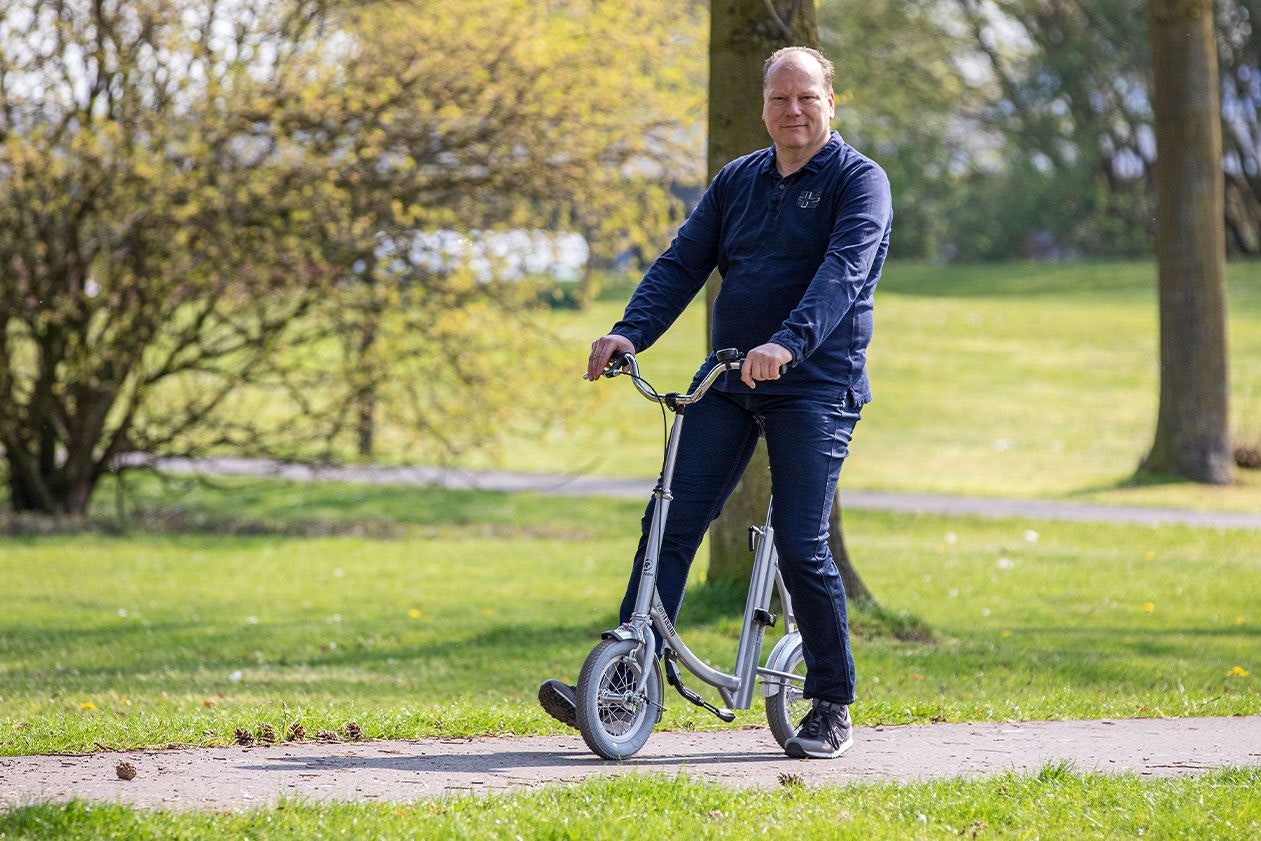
737, 687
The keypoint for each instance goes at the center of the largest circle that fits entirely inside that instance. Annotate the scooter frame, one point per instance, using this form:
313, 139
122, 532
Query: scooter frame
737, 687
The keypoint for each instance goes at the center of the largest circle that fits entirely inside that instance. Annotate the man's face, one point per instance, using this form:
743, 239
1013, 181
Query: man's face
797, 106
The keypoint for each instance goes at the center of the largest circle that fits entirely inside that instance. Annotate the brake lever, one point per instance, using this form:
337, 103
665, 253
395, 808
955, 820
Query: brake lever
614, 367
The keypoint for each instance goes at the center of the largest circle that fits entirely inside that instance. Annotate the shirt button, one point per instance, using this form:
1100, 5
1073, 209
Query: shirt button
781, 186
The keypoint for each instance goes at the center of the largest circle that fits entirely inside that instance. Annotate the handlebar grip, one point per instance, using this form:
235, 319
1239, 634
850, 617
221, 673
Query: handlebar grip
732, 355
615, 364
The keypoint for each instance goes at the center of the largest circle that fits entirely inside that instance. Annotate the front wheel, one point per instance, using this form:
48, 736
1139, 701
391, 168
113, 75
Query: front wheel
614, 718
786, 708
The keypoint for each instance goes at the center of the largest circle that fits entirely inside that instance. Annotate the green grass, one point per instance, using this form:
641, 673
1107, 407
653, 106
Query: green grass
1012, 379
423, 612
1054, 804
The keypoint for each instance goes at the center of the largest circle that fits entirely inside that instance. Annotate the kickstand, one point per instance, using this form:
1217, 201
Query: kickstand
672, 677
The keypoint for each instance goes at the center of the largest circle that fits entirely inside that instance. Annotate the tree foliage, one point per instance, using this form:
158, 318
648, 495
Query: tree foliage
202, 206
1072, 91
1024, 127
155, 226
901, 99
518, 121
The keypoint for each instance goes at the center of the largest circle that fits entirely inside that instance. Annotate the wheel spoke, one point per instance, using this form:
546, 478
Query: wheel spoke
619, 705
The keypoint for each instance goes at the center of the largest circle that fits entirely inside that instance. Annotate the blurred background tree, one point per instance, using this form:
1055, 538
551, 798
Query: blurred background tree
221, 224
1193, 422
156, 228
201, 203
1062, 155
902, 100
520, 121
1024, 128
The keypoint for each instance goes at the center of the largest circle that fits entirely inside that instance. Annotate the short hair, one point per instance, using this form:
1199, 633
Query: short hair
787, 51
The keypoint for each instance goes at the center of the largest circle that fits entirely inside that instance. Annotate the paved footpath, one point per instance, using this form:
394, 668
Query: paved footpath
579, 485
238, 778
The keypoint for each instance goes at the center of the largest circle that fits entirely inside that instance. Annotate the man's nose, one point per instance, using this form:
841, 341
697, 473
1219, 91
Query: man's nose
794, 105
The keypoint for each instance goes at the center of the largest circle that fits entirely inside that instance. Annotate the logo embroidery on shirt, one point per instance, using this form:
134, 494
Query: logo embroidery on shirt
808, 198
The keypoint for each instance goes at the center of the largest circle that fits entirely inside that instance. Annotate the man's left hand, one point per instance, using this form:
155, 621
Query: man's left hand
763, 363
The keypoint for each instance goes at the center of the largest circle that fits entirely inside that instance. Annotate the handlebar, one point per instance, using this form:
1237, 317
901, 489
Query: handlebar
729, 359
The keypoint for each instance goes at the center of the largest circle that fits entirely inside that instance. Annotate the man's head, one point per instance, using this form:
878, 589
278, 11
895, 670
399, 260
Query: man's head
797, 99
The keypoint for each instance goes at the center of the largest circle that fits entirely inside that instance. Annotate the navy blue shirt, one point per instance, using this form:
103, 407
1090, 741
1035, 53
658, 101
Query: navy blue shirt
799, 259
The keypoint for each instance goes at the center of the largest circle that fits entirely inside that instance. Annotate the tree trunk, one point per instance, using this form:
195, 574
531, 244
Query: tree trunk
22, 497
366, 399
742, 34
60, 490
855, 590
1193, 425
365, 426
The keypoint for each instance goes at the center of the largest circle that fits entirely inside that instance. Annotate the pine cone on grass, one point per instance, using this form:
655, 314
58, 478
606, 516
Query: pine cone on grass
266, 734
328, 736
296, 733
243, 737
353, 732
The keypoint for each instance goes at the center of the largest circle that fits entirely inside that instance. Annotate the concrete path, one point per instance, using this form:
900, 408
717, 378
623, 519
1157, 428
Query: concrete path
237, 778
574, 485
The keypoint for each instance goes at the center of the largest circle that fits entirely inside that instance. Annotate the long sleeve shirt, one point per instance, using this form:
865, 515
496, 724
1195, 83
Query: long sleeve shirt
799, 258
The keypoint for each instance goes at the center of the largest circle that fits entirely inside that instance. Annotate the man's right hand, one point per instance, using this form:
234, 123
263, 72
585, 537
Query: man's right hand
602, 350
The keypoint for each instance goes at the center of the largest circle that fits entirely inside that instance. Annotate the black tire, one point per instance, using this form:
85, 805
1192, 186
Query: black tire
786, 708
613, 721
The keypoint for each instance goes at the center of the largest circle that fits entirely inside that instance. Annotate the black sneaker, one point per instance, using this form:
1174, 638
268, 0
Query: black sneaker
825, 733
560, 701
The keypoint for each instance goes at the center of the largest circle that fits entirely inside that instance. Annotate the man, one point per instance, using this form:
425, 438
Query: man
799, 232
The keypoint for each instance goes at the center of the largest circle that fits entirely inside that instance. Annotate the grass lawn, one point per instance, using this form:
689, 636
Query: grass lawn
1054, 804
422, 612
1010, 379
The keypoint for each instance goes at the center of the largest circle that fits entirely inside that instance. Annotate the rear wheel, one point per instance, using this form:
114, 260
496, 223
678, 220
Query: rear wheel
614, 718
786, 708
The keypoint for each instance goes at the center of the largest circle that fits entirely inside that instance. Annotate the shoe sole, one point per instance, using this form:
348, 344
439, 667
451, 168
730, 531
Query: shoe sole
558, 706
798, 752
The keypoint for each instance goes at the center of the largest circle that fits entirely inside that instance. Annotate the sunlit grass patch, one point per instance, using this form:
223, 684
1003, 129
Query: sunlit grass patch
447, 627
1057, 803
1010, 379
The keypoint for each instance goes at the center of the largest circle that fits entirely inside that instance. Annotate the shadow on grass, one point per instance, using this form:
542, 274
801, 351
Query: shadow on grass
235, 507
1136, 481
510, 659
284, 500
174, 521
709, 602
871, 619
184, 657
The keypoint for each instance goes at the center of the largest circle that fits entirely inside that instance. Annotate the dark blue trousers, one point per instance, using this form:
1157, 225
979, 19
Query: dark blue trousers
807, 440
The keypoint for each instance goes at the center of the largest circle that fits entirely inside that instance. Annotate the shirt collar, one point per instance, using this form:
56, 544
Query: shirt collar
833, 144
